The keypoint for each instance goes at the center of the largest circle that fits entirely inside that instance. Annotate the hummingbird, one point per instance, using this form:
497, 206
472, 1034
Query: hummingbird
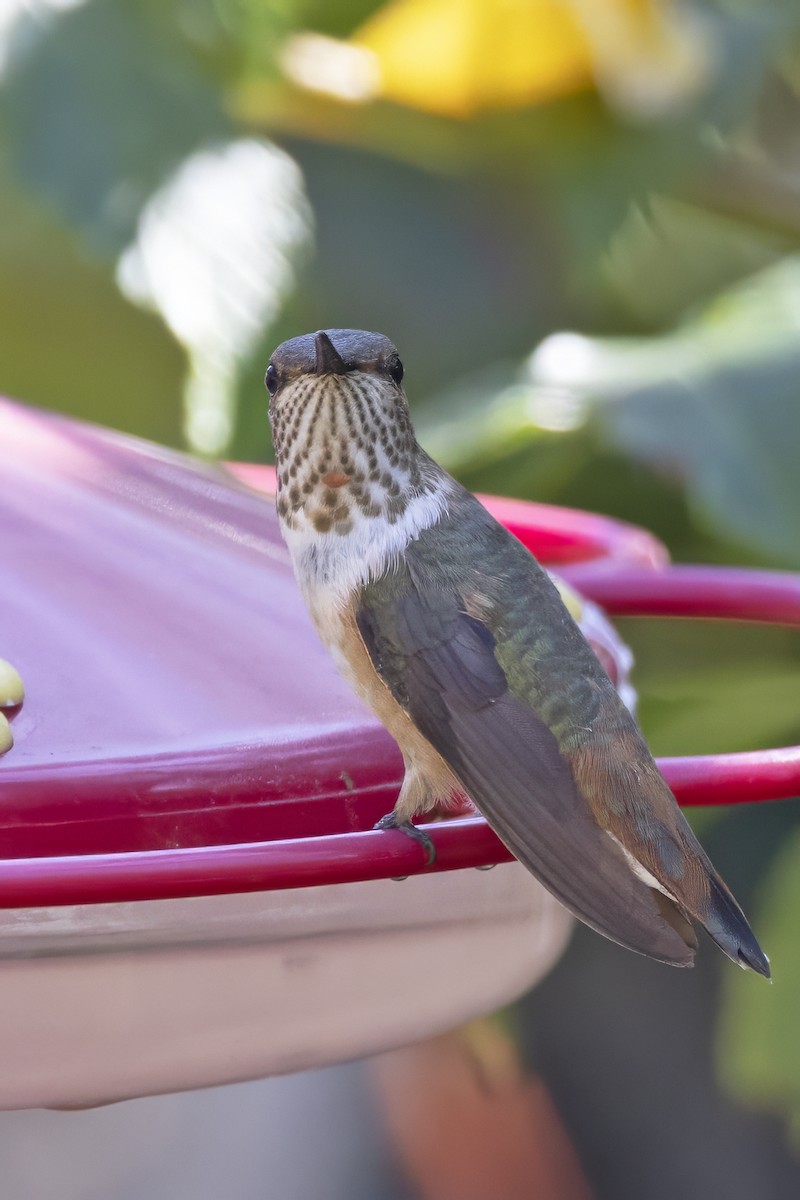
451, 631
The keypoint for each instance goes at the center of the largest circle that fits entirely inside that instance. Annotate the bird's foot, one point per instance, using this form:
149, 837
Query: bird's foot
390, 822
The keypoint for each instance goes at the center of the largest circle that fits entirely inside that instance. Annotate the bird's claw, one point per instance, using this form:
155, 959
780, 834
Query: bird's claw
418, 835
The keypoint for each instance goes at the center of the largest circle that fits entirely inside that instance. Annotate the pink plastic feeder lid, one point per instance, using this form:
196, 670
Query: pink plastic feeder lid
176, 693
183, 730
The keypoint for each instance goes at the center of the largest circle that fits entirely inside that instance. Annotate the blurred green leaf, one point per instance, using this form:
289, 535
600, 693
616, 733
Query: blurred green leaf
668, 257
99, 110
759, 1036
713, 687
70, 341
708, 411
725, 435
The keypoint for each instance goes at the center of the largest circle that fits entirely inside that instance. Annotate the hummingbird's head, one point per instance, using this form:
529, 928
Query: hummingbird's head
344, 444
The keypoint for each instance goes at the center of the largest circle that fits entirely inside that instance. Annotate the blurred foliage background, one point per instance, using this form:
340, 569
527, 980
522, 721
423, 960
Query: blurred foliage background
580, 222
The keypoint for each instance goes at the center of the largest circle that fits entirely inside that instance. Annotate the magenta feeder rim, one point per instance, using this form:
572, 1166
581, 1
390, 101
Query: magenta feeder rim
620, 567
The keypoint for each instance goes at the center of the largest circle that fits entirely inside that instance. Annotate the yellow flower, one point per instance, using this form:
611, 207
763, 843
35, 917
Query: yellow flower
459, 57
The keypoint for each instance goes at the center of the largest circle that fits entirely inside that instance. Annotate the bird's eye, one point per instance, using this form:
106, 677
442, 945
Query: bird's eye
395, 369
271, 380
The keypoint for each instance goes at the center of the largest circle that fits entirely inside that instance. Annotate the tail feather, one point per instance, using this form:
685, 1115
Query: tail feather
727, 925
660, 844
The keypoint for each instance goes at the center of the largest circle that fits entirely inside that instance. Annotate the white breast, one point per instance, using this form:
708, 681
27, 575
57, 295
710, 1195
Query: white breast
331, 566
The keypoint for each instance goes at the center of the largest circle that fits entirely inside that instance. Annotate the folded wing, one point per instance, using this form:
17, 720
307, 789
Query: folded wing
441, 666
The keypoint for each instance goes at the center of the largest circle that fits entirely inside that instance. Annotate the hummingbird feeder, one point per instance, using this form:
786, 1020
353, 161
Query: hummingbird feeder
191, 891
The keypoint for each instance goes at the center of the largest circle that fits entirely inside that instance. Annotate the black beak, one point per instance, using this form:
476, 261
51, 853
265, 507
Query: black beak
329, 361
